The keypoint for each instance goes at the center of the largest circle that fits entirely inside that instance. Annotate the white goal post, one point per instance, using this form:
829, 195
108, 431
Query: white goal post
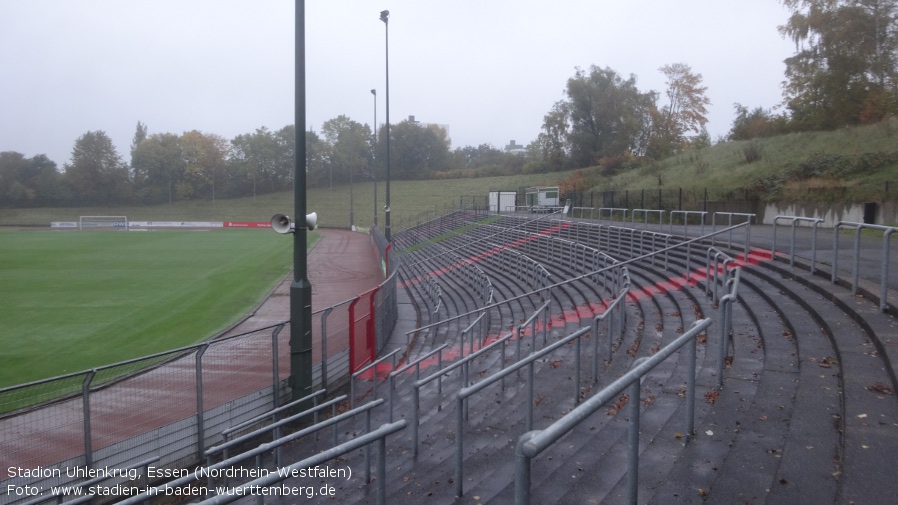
117, 223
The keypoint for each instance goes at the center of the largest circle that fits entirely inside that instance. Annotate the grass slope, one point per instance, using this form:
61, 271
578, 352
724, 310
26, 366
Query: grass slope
723, 167
410, 201
78, 300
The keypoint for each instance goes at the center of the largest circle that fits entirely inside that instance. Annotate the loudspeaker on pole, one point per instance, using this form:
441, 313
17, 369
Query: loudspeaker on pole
282, 223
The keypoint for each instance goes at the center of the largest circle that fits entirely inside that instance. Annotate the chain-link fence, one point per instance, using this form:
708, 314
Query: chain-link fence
174, 404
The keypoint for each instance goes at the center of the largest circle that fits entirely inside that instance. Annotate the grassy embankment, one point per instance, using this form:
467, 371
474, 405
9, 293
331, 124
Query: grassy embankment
846, 165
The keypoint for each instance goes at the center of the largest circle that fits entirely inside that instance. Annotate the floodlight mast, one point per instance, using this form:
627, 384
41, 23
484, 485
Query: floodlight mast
385, 17
300, 380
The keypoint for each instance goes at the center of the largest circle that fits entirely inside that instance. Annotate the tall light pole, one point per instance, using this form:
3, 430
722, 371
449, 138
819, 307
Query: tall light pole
374, 170
351, 201
385, 17
300, 289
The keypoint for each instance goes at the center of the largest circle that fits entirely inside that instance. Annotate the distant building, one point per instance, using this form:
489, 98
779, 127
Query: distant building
515, 148
411, 119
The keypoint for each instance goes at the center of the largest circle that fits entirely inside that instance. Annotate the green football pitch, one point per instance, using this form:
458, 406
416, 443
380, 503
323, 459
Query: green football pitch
71, 301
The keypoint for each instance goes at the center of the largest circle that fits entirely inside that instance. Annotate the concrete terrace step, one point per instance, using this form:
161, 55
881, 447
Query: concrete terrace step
869, 415
805, 414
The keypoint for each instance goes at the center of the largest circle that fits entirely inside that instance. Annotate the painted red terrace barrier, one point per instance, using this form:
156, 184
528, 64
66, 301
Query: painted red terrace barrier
673, 284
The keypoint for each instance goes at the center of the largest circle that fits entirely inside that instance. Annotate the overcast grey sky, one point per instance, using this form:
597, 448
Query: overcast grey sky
489, 69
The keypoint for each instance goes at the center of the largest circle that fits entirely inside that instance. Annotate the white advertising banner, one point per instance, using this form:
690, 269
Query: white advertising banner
175, 224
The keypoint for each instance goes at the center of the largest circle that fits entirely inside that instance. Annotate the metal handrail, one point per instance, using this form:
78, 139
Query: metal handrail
855, 264
261, 449
464, 393
505, 230
583, 276
89, 483
314, 396
532, 443
227, 444
468, 330
611, 211
609, 311
531, 321
645, 214
364, 369
581, 209
730, 215
714, 272
686, 214
416, 393
794, 219
379, 435
725, 308
417, 364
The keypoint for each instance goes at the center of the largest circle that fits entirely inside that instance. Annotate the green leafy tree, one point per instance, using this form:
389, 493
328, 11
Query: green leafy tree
702, 140
285, 138
486, 160
416, 151
96, 173
755, 123
552, 142
317, 167
476, 157
30, 182
140, 134
349, 145
13, 172
844, 69
205, 158
258, 157
157, 168
608, 115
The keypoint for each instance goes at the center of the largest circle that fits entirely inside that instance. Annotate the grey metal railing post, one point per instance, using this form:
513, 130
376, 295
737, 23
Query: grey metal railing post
795, 220
855, 264
416, 399
595, 348
690, 388
884, 278
459, 446
522, 470
814, 248
835, 261
85, 405
577, 372
324, 316
792, 245
725, 308
417, 364
200, 411
633, 438
530, 397
382, 470
275, 367
367, 448
773, 244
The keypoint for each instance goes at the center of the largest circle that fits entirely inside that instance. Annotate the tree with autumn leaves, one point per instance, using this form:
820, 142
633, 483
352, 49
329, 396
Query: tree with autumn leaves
684, 113
845, 68
606, 115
